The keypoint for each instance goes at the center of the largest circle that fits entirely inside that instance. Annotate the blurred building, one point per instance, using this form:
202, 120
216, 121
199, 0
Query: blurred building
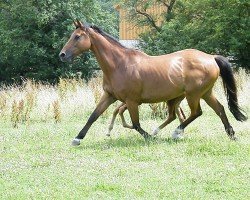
129, 32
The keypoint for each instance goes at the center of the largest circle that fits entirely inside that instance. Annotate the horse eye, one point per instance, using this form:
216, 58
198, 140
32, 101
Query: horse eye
77, 37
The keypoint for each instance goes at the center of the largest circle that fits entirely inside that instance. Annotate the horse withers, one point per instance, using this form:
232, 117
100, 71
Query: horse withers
134, 77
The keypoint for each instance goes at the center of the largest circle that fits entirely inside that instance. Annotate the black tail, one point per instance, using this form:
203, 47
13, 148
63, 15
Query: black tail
230, 87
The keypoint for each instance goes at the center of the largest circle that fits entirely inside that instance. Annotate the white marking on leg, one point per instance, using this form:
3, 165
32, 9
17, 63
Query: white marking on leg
178, 133
76, 142
231, 133
156, 131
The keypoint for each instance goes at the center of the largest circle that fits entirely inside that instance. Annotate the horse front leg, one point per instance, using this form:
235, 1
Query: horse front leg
103, 104
134, 114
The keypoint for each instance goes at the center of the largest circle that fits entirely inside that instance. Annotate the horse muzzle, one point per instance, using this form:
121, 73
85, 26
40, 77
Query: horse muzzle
65, 57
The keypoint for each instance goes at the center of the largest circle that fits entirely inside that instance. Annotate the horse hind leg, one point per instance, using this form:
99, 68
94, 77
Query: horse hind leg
219, 110
173, 108
194, 105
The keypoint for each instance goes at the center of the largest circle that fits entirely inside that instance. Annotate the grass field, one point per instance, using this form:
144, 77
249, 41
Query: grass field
38, 122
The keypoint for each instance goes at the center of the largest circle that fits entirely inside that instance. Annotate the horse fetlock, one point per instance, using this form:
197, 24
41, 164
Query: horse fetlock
230, 133
147, 136
234, 138
76, 142
178, 133
108, 134
110, 128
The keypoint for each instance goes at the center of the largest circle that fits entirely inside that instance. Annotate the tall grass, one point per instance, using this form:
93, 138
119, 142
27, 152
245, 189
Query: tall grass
44, 102
74, 98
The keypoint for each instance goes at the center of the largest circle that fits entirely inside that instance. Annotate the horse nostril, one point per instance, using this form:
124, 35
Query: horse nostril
62, 55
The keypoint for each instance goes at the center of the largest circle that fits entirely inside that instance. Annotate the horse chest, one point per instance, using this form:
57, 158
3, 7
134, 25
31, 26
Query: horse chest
121, 89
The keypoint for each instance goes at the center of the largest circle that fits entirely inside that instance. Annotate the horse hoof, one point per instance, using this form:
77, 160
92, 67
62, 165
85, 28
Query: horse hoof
108, 134
148, 137
76, 142
178, 134
234, 138
156, 131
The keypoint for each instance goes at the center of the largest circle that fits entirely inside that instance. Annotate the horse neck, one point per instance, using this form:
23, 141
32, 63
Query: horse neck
107, 54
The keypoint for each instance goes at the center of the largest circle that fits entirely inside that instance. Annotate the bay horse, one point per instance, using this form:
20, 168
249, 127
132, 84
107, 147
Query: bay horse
120, 109
134, 77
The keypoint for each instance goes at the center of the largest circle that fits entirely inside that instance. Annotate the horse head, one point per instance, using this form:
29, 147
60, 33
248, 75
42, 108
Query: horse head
78, 43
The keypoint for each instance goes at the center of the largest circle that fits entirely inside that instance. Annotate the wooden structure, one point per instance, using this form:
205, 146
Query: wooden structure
129, 30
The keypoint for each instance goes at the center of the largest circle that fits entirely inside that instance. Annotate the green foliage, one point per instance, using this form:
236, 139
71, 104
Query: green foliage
33, 32
214, 26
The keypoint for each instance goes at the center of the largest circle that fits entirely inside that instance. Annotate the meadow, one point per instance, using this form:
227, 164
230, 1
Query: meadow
38, 122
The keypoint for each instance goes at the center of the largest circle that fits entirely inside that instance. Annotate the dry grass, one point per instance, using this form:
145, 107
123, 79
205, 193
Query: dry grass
73, 98
158, 110
95, 84
44, 102
57, 111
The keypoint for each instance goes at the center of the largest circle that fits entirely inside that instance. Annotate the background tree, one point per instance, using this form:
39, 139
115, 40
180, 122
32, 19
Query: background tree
213, 26
32, 33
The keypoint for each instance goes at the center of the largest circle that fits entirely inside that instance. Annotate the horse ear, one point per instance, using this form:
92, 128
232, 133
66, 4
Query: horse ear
79, 24
75, 23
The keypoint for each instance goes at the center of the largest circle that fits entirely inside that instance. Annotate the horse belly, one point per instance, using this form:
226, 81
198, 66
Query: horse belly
158, 91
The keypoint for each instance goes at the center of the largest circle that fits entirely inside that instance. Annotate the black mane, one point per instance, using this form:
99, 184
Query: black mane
107, 36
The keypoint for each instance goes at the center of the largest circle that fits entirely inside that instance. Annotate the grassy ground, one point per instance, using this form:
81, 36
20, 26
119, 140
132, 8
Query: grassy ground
38, 162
